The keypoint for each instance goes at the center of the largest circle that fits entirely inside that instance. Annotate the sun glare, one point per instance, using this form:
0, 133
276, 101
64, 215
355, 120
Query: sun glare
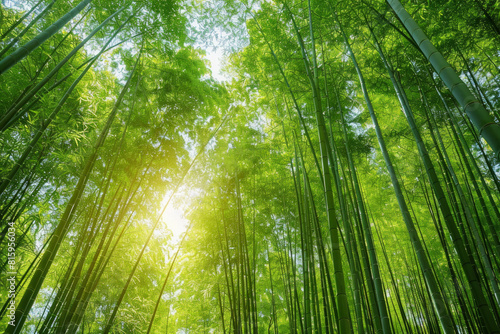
174, 219
216, 58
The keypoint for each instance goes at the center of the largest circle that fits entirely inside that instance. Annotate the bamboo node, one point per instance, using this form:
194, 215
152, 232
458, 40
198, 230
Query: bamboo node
484, 126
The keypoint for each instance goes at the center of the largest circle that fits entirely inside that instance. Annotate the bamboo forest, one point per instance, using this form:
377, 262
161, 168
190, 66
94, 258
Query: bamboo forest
250, 166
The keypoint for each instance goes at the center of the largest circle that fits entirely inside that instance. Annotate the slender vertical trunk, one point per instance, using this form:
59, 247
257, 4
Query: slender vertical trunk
35, 285
343, 305
21, 19
20, 162
479, 116
436, 295
27, 48
465, 259
25, 30
374, 266
112, 317
6, 120
350, 244
160, 295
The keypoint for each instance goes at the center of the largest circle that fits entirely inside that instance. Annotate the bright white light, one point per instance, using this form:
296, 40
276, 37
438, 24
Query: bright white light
174, 219
216, 58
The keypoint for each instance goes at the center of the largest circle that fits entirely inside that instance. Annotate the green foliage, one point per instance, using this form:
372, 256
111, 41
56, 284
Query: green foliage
258, 255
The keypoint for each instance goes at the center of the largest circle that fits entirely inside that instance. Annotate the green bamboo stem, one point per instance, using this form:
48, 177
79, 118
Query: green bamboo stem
20, 162
160, 295
374, 265
350, 242
41, 271
441, 197
479, 116
343, 305
7, 118
112, 317
27, 48
21, 19
26, 29
436, 295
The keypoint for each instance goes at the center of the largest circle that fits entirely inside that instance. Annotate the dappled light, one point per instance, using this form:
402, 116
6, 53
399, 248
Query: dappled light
221, 166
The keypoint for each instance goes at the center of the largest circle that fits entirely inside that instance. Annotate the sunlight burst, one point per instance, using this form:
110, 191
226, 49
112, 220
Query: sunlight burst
174, 219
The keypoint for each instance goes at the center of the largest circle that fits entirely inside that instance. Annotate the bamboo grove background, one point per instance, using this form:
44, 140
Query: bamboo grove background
344, 178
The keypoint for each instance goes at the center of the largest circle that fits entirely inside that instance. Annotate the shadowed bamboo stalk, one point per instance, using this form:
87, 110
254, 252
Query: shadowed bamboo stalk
41, 271
466, 260
21, 19
431, 281
20, 162
7, 119
27, 48
479, 116
343, 305
25, 30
